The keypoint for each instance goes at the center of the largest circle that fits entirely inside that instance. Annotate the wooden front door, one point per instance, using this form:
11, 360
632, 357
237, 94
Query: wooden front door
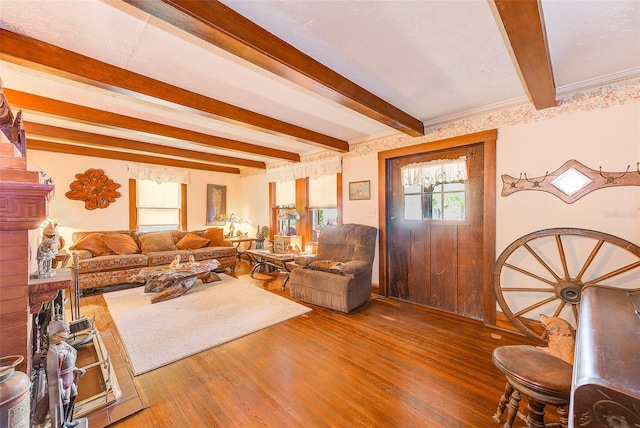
434, 259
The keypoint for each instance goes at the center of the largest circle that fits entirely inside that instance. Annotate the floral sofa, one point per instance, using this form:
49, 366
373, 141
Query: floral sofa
112, 257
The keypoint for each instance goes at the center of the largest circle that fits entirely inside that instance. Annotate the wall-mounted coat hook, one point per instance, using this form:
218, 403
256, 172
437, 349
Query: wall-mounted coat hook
511, 184
571, 181
536, 182
611, 179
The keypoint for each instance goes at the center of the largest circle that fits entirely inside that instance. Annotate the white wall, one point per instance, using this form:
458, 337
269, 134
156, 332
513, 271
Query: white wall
197, 196
362, 168
254, 194
607, 138
71, 215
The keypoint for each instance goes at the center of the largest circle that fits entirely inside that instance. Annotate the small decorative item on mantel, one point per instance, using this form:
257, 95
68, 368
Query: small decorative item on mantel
46, 252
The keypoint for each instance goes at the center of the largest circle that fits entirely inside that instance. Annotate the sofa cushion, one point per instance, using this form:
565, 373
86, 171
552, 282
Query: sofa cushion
207, 253
215, 236
112, 262
157, 258
191, 241
94, 244
156, 241
120, 243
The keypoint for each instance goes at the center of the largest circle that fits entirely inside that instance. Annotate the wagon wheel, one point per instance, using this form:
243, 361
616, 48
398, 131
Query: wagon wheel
544, 272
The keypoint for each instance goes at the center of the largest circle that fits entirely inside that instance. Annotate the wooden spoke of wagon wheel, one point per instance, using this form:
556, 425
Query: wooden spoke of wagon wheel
566, 287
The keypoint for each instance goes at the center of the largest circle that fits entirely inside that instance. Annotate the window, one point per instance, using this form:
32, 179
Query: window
321, 217
323, 203
313, 188
158, 205
435, 190
285, 207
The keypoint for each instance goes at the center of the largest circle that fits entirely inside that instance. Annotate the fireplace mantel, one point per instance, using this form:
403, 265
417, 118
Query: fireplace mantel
23, 206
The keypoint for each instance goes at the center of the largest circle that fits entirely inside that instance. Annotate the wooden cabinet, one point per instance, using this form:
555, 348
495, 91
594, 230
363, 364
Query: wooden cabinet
281, 242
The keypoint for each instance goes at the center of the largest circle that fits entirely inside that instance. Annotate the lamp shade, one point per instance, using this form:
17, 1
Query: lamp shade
288, 213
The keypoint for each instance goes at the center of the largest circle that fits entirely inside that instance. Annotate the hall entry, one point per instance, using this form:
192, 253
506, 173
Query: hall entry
434, 221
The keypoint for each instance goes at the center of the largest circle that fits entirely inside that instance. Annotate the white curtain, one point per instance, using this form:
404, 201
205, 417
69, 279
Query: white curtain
322, 191
435, 172
313, 169
151, 194
285, 193
159, 174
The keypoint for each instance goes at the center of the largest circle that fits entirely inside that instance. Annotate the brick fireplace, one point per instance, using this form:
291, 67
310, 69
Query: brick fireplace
23, 208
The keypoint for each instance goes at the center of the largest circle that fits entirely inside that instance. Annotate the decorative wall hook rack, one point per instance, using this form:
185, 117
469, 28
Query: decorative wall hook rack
571, 181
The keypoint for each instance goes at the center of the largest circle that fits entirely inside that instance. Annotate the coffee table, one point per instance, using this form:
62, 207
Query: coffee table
277, 260
170, 282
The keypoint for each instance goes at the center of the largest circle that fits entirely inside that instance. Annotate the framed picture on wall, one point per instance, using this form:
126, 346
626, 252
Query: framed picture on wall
359, 190
216, 205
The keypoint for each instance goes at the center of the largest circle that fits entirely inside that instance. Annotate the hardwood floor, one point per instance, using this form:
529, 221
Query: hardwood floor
387, 364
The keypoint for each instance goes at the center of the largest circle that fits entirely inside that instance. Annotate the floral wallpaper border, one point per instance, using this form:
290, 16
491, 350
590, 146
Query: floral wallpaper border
602, 96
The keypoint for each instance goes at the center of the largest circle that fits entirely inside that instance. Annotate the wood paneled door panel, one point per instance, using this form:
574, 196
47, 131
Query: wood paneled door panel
433, 262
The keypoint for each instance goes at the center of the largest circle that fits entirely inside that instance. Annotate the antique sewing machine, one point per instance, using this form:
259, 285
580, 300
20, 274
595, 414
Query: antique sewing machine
605, 391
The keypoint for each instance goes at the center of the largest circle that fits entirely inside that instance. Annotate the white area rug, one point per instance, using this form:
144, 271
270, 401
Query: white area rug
208, 315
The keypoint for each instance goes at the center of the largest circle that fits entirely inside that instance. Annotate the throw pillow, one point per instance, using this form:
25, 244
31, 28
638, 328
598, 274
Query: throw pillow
94, 244
120, 243
215, 236
326, 266
191, 241
156, 241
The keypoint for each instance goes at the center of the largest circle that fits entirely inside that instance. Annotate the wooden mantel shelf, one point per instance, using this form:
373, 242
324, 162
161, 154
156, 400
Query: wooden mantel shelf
46, 289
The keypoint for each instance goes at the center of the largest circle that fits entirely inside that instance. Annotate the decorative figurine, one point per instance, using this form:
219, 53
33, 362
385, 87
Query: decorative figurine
175, 264
293, 250
261, 235
67, 370
47, 251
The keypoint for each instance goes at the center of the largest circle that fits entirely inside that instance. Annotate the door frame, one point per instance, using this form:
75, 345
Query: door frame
488, 139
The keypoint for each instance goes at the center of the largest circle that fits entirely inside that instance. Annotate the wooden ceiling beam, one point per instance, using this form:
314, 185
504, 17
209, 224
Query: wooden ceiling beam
34, 144
93, 116
82, 137
523, 22
220, 25
38, 55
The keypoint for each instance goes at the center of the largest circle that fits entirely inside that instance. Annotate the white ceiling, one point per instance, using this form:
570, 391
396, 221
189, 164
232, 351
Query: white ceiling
435, 60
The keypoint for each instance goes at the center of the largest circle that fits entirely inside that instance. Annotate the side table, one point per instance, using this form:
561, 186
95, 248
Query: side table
236, 243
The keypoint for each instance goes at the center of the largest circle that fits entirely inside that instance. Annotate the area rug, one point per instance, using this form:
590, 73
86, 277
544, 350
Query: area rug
208, 315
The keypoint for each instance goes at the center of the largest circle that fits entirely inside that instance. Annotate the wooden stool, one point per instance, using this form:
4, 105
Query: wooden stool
542, 378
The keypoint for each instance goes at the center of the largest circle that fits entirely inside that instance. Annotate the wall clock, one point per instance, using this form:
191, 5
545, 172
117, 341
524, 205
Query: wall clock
94, 188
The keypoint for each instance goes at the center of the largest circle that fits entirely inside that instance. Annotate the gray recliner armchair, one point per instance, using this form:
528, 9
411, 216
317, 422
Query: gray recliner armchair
339, 276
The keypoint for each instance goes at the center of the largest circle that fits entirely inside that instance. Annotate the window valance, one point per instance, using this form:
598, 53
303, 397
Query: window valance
435, 172
159, 174
312, 169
